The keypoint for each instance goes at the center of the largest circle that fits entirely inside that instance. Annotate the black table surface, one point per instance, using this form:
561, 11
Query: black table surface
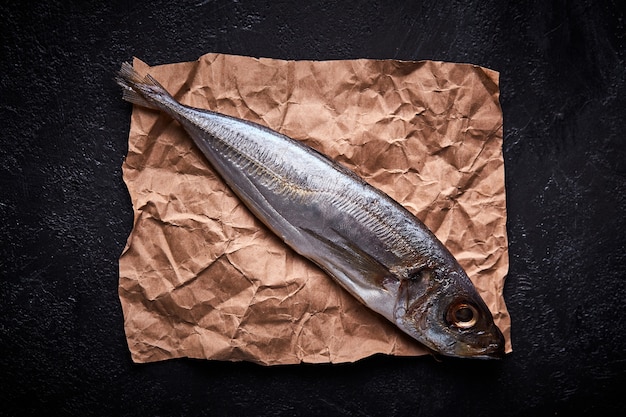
65, 212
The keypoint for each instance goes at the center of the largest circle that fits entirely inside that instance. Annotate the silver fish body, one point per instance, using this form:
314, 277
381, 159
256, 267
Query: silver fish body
373, 247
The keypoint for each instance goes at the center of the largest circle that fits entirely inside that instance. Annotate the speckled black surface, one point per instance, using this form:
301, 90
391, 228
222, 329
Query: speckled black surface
66, 213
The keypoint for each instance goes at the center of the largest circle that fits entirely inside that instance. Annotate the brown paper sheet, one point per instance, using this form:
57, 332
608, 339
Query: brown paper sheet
200, 277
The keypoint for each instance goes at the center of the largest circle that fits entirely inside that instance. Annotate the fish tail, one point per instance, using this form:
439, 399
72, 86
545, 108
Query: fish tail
140, 90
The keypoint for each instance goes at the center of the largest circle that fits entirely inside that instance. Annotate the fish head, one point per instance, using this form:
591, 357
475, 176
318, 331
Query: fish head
442, 309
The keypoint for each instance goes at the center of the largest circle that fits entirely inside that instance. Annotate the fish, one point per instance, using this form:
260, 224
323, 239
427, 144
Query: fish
371, 245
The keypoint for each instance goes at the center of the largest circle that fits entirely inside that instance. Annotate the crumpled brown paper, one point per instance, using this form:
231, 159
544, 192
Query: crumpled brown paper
200, 277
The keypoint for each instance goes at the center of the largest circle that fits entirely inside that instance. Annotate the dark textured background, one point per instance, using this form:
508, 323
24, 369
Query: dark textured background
65, 212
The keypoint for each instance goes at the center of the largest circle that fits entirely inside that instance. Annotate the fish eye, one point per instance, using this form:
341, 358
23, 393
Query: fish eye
462, 315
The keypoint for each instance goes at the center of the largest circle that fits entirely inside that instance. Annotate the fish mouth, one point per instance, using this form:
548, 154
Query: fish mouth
490, 349
493, 350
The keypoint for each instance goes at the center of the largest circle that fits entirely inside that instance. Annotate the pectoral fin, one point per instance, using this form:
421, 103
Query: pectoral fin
356, 271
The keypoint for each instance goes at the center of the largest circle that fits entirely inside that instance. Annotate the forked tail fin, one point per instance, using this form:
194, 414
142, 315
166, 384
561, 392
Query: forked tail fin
142, 91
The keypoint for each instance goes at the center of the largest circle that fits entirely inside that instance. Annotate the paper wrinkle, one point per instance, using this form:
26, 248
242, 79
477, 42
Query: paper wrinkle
200, 277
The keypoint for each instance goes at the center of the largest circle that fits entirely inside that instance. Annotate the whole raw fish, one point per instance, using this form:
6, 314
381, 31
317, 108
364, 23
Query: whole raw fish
373, 247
